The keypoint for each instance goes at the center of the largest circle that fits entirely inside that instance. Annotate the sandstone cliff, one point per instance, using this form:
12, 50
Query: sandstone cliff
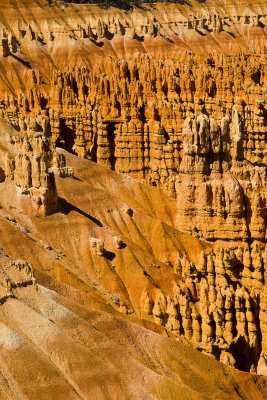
173, 97
116, 296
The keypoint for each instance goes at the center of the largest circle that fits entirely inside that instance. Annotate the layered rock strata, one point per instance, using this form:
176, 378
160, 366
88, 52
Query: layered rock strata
131, 120
171, 99
31, 161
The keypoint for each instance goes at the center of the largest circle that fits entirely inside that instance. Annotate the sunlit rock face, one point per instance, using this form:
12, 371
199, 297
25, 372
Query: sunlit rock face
133, 199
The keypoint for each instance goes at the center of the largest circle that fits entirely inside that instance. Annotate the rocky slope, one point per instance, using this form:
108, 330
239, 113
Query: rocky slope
174, 98
111, 308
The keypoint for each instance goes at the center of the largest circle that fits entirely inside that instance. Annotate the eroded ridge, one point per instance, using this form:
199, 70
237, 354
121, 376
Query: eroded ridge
141, 99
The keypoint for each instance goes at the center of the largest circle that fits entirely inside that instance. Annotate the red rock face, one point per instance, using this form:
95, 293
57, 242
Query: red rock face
173, 96
200, 121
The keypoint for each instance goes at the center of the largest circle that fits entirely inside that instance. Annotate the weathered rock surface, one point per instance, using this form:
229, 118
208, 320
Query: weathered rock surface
67, 327
38, 338
171, 96
30, 160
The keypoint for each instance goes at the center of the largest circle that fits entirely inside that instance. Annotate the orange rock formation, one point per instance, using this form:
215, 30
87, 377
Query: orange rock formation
172, 96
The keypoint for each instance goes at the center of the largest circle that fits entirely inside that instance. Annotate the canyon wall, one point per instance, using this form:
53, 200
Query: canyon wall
196, 128
174, 96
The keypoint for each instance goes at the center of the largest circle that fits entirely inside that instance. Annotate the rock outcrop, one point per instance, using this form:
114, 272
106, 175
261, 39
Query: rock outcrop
131, 119
177, 103
31, 161
35, 183
221, 194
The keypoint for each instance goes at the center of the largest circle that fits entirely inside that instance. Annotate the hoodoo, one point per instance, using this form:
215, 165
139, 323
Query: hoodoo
133, 198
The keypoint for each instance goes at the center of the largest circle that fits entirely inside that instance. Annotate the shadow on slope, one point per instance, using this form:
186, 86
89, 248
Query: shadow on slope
64, 207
